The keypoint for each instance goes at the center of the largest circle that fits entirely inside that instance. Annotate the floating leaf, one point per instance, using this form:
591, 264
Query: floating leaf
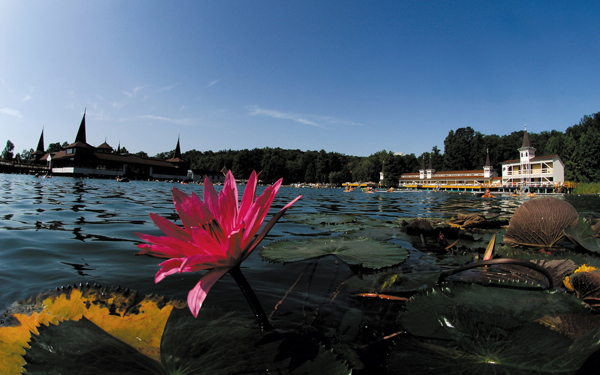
571, 325
540, 222
364, 252
587, 286
503, 270
216, 342
81, 347
584, 236
124, 314
584, 268
423, 316
489, 343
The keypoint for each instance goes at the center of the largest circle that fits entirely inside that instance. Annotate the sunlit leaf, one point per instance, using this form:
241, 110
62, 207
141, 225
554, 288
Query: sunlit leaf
216, 342
134, 319
584, 236
587, 286
584, 268
81, 347
364, 252
540, 222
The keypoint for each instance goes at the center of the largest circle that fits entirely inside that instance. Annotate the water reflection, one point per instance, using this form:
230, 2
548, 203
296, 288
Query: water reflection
47, 224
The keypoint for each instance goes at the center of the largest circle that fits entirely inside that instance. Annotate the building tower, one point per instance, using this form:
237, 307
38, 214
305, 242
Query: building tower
527, 153
487, 168
430, 170
422, 170
39, 152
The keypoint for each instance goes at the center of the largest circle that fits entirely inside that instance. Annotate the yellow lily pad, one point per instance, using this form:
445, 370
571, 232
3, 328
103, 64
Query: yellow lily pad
136, 320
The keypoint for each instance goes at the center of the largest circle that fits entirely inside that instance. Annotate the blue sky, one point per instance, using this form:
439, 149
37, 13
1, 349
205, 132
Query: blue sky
354, 77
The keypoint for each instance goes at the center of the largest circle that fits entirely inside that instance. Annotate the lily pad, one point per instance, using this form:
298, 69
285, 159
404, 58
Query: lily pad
424, 313
364, 252
540, 222
489, 343
94, 330
216, 342
134, 319
584, 236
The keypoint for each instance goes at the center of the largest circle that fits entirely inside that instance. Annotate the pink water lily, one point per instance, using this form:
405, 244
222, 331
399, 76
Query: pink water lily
217, 235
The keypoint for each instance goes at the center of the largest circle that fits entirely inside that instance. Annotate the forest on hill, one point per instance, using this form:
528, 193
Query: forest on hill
464, 149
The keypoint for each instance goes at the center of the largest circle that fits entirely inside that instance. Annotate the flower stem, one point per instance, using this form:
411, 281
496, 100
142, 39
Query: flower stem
257, 309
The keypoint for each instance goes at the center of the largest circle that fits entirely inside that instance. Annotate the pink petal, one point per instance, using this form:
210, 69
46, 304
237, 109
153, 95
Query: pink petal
249, 194
197, 295
169, 246
228, 204
211, 198
169, 228
248, 249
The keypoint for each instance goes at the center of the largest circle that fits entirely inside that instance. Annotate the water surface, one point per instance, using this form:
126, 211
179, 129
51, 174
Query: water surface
64, 231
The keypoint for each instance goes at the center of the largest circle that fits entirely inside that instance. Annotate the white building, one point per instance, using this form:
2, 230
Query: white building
533, 171
451, 180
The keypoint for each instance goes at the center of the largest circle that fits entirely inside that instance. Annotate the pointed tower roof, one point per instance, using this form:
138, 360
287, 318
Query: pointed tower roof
487, 159
177, 154
81, 133
423, 163
40, 146
526, 139
430, 166
39, 152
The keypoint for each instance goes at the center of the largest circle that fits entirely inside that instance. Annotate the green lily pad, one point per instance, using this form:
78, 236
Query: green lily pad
584, 236
424, 313
488, 343
217, 342
339, 222
364, 252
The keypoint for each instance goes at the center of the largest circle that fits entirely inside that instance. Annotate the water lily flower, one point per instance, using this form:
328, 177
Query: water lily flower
218, 235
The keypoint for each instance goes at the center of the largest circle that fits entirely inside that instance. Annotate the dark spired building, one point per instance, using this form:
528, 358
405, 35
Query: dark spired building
82, 159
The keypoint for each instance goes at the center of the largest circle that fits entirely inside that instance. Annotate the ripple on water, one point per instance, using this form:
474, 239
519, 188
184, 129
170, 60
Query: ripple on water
63, 231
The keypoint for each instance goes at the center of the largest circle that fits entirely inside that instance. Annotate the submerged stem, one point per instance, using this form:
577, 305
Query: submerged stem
257, 309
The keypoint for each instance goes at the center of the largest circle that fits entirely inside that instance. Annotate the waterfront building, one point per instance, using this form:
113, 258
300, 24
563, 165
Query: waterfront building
533, 171
428, 178
82, 159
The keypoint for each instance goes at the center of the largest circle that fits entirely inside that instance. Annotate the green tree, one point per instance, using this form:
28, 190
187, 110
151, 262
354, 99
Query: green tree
27, 155
7, 154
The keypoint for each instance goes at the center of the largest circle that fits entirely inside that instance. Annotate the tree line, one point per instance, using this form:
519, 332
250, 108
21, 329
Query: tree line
464, 149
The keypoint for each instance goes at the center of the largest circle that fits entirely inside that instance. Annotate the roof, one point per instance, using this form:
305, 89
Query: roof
526, 140
79, 144
105, 146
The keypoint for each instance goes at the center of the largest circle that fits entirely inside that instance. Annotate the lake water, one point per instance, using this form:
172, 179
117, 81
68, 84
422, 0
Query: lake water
64, 231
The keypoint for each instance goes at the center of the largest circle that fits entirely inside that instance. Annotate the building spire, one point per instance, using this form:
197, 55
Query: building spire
526, 139
40, 146
177, 153
487, 158
430, 166
81, 133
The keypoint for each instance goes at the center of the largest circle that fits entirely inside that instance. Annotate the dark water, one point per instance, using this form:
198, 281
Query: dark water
64, 231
